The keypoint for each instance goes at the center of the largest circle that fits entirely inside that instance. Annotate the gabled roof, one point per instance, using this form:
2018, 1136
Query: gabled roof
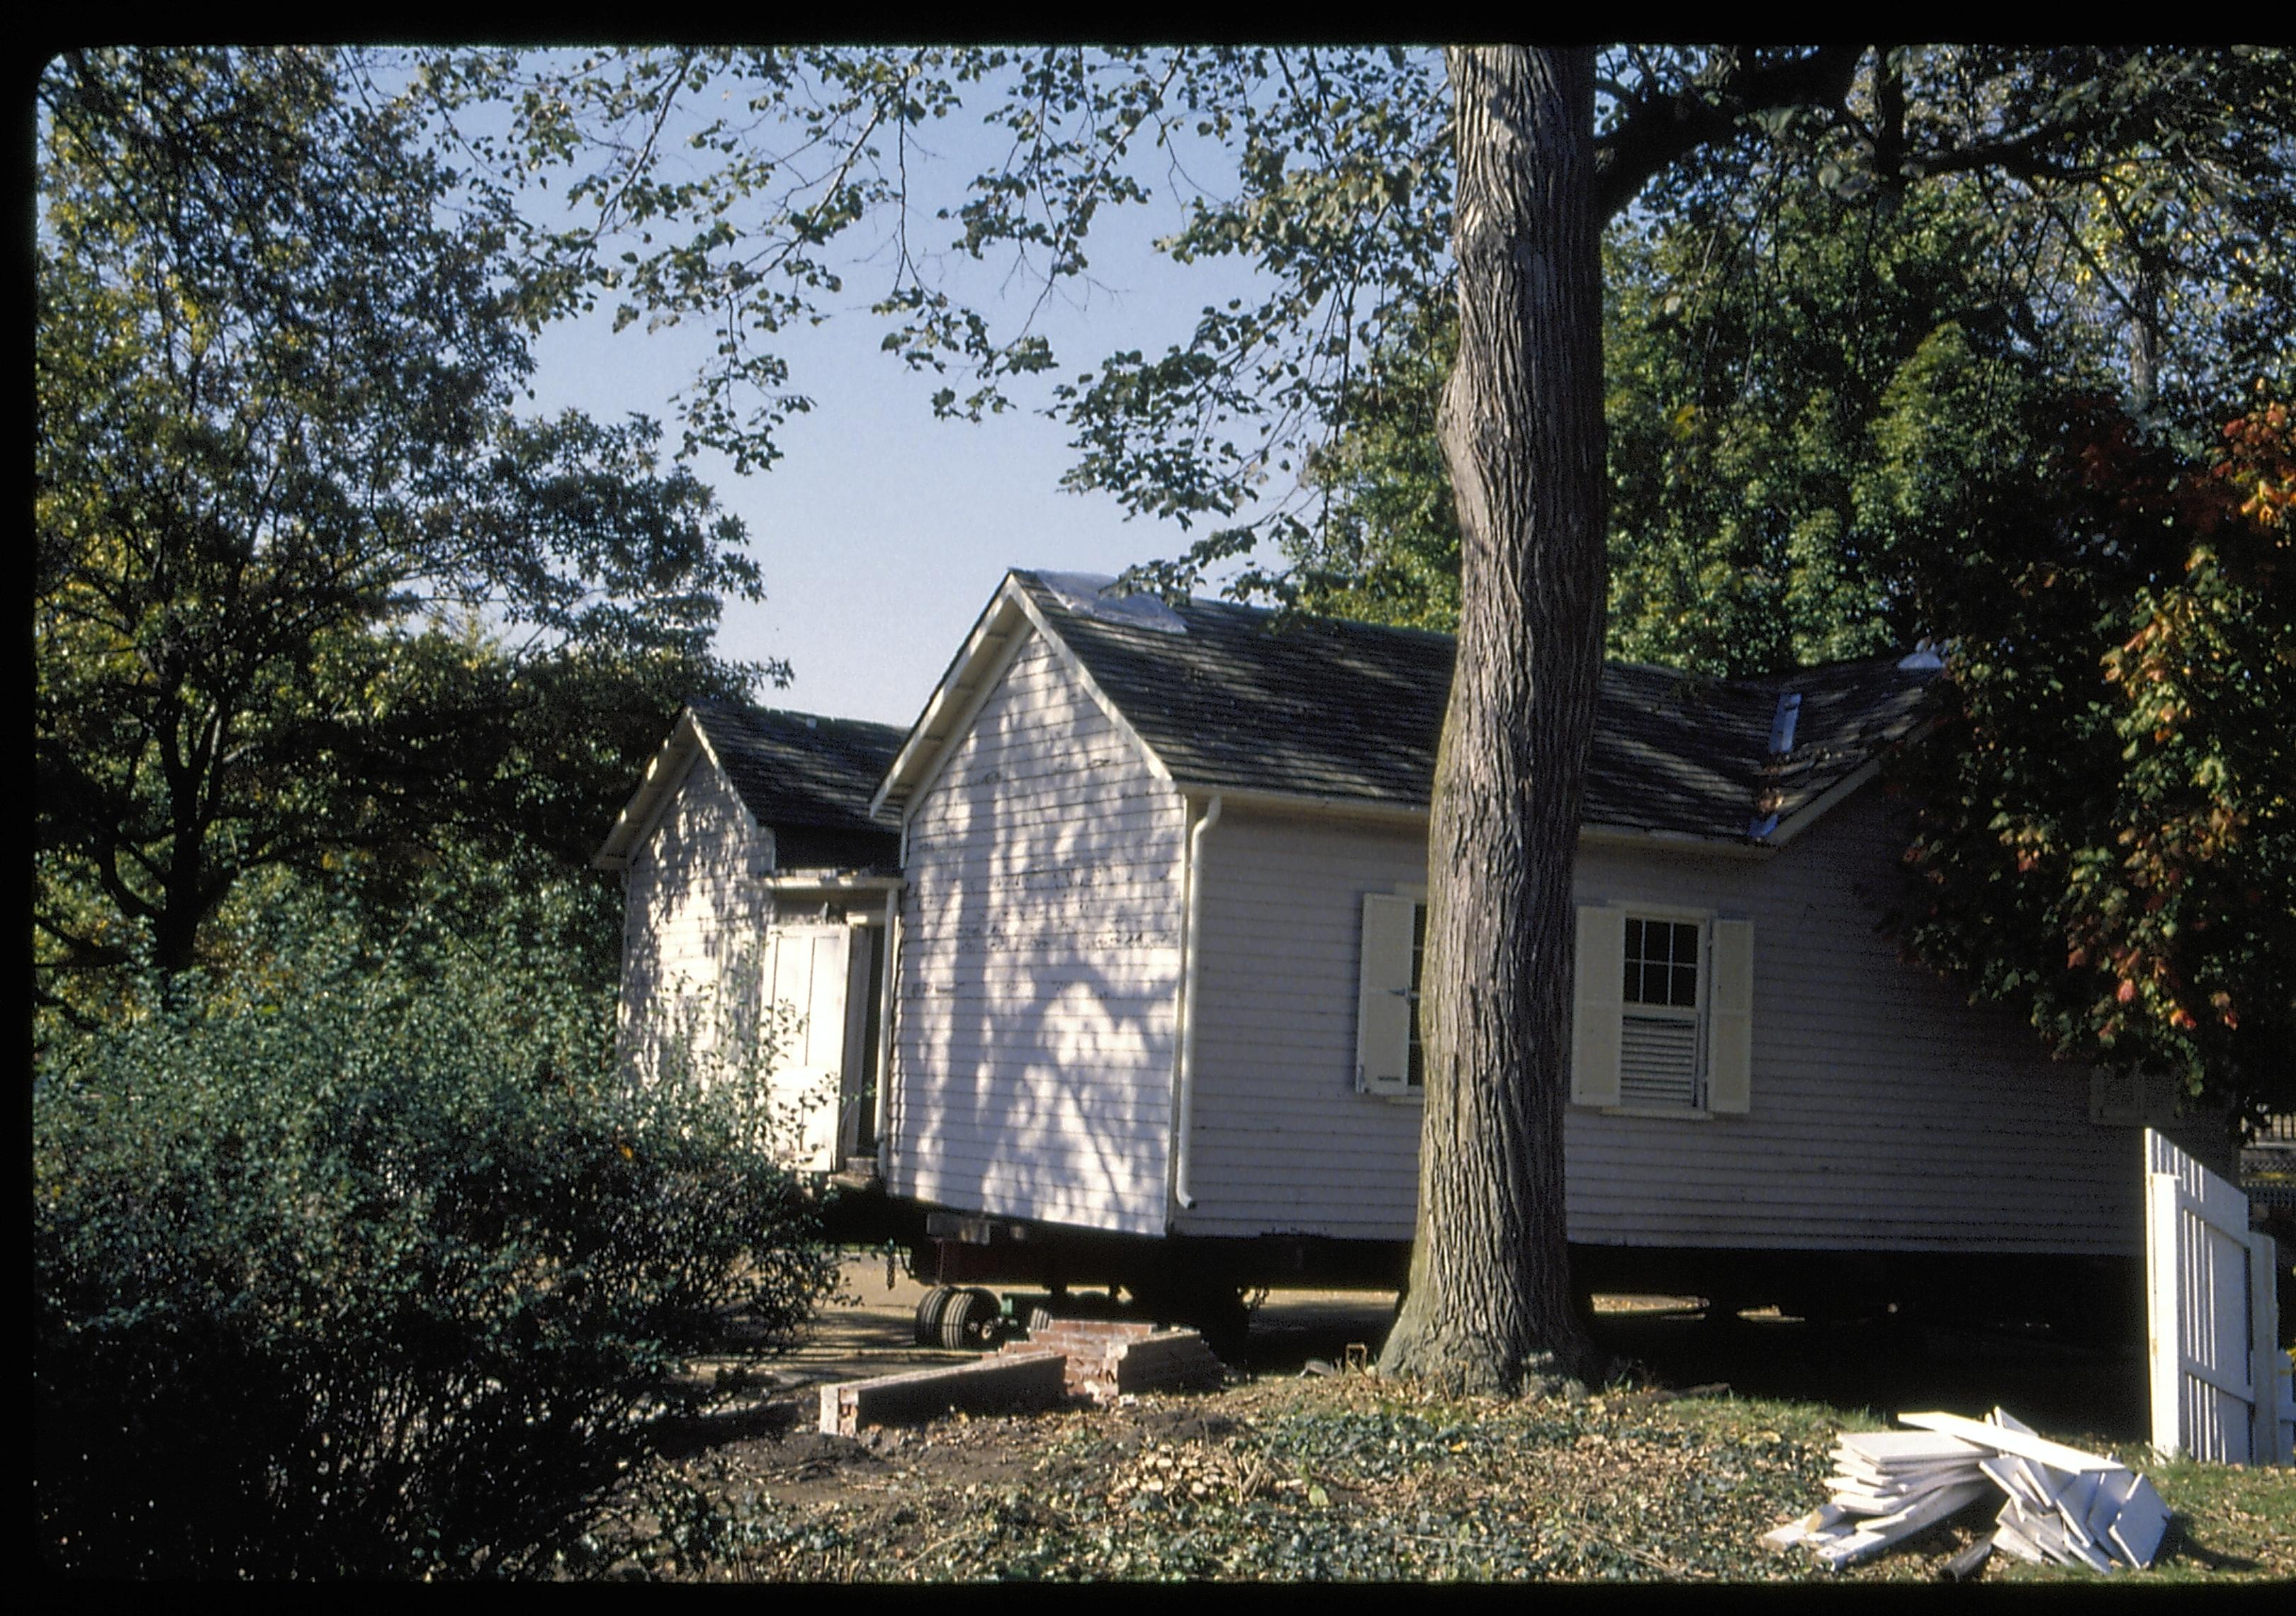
1233, 698
800, 768
789, 769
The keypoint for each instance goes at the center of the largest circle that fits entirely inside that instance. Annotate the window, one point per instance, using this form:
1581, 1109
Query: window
1389, 1059
1659, 1018
1662, 1012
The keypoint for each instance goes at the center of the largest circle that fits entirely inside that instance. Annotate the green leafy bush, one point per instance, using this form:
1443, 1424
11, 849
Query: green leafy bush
377, 1268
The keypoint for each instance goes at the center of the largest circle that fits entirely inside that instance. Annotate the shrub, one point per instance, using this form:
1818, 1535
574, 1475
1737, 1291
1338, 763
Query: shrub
377, 1268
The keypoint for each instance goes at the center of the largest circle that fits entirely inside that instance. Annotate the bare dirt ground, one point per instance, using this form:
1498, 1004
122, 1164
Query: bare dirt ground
1306, 1468
2096, 1390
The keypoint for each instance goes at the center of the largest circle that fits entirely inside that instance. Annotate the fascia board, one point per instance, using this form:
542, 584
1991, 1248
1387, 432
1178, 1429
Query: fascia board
1403, 814
665, 772
1824, 804
1676, 842
803, 880
929, 738
1831, 799
984, 674
1304, 803
757, 832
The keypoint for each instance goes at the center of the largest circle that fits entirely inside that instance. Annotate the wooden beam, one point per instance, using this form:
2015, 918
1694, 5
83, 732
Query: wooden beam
2024, 1446
1022, 1380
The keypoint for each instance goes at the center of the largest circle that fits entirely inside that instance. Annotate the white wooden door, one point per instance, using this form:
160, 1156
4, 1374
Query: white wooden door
806, 969
2212, 1317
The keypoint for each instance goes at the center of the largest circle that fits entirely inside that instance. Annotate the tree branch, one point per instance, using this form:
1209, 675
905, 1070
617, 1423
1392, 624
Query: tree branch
1664, 128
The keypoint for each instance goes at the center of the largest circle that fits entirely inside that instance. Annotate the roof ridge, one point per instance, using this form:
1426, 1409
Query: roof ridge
1767, 683
746, 709
1346, 711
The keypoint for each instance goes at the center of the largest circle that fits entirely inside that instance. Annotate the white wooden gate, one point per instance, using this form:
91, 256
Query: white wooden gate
2219, 1380
807, 968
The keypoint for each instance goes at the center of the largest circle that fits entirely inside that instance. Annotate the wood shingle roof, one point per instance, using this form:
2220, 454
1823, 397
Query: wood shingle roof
793, 768
1245, 700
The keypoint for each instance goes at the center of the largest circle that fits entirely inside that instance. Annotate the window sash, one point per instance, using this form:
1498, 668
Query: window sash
1662, 1023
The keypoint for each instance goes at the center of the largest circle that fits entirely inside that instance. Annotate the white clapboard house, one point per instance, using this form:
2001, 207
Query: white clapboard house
759, 895
1162, 871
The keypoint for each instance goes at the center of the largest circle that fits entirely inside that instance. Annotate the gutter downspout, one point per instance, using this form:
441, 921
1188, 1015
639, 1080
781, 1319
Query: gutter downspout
1182, 1191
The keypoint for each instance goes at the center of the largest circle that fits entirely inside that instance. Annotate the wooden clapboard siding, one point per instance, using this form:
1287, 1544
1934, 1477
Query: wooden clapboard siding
1040, 930
693, 925
1282, 1142
1887, 1113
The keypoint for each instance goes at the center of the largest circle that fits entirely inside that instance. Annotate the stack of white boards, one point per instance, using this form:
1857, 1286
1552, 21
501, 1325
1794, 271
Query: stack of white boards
2064, 1505
1886, 1485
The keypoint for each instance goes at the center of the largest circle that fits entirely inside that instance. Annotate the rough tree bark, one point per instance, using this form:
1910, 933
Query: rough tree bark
1521, 429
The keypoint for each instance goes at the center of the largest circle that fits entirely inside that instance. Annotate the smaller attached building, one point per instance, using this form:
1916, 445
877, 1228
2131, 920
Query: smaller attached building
758, 892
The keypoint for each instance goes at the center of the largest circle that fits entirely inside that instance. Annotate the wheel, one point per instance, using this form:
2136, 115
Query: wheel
929, 1312
967, 1319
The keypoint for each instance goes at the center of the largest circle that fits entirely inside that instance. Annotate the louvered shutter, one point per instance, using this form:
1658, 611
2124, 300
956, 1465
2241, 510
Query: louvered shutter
1383, 995
1730, 1018
1597, 996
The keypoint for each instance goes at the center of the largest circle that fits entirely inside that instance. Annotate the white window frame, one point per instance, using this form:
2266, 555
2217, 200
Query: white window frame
1599, 1002
1694, 1012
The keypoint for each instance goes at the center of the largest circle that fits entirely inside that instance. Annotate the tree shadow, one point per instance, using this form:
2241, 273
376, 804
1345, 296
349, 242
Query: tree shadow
1892, 1367
2179, 1544
683, 1436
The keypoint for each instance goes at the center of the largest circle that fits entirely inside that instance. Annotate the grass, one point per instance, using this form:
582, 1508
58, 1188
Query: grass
1351, 1477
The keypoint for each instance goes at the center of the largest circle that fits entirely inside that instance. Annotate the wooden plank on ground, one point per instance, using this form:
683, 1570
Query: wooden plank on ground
2009, 1475
2009, 1538
2040, 1528
1849, 1463
1901, 1447
2038, 1449
1803, 1526
2141, 1523
1021, 1379
2112, 1490
1878, 1534
2074, 1499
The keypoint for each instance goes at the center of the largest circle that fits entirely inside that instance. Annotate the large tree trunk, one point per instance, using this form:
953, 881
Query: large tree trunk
1523, 429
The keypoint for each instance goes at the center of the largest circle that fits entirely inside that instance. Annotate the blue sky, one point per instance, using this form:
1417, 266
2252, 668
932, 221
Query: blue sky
882, 532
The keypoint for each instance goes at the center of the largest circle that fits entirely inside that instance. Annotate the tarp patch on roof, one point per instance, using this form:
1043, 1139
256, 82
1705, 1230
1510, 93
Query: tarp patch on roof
1087, 593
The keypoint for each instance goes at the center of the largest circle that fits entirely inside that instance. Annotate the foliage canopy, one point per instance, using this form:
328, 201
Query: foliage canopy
305, 587
2107, 829
2112, 190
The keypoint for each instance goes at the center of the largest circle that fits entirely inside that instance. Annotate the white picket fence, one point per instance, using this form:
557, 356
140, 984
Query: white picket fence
2221, 1386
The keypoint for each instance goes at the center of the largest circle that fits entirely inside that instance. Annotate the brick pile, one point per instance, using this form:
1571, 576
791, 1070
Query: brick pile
1107, 1358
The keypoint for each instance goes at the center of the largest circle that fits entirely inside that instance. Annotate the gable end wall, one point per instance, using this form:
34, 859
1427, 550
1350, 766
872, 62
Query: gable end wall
1039, 965
693, 924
